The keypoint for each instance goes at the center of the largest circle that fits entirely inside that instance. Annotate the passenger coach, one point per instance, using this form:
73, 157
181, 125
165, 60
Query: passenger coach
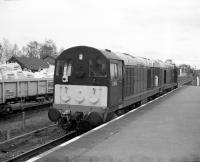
90, 85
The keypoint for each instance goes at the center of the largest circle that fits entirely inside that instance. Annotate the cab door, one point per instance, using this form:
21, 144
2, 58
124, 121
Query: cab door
116, 91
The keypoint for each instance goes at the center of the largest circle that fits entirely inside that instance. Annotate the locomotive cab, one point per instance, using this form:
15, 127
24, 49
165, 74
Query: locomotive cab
84, 78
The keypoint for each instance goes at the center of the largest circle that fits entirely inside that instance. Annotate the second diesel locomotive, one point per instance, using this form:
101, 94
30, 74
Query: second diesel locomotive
90, 85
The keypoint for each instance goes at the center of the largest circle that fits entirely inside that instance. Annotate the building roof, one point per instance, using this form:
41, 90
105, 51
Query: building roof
33, 64
50, 59
50, 56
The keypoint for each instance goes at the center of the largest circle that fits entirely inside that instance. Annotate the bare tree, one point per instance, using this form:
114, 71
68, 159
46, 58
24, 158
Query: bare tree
1, 51
7, 50
15, 50
24, 50
48, 49
33, 49
61, 50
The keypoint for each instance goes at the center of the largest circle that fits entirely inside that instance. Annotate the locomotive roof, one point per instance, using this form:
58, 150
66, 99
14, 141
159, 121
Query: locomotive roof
130, 59
169, 63
127, 58
107, 53
158, 63
148, 62
110, 55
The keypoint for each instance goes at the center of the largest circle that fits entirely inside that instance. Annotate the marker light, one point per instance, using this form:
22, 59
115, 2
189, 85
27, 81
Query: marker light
80, 56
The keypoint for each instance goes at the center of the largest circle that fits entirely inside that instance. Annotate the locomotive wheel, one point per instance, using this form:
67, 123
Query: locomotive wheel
120, 112
84, 126
110, 116
94, 119
54, 115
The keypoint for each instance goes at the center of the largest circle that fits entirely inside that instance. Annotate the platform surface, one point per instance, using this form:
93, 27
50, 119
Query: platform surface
165, 130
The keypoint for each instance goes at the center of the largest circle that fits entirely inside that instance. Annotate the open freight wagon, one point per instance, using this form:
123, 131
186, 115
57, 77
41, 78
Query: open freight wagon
18, 90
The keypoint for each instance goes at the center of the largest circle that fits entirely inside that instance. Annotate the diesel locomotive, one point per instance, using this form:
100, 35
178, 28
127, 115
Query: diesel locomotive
92, 85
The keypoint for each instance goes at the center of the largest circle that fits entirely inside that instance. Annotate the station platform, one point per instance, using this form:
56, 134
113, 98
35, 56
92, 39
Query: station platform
167, 129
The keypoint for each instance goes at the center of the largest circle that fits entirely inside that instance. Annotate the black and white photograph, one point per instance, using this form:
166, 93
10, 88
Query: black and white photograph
99, 81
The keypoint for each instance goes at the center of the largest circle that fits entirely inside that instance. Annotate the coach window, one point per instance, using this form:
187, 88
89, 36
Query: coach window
114, 71
97, 67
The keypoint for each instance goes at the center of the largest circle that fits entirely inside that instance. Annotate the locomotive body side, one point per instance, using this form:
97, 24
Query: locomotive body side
146, 79
138, 80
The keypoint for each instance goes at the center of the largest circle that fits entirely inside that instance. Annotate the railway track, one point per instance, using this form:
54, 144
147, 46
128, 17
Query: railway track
16, 148
45, 147
22, 122
7, 142
26, 107
185, 80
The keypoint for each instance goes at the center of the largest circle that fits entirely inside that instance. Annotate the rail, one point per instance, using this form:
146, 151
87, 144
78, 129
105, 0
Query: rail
185, 80
7, 142
40, 149
29, 107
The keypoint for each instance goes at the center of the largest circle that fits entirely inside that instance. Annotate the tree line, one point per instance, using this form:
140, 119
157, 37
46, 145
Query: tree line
33, 49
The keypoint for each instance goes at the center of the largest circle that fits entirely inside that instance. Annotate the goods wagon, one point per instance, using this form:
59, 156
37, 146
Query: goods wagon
13, 91
92, 85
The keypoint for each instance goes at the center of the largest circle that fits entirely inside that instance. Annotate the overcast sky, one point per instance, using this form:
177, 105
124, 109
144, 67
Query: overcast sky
163, 29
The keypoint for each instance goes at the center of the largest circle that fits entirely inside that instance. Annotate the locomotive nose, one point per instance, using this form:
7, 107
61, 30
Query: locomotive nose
54, 114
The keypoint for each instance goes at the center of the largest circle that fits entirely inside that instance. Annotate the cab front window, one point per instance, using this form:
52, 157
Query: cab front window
67, 68
64, 68
97, 67
59, 67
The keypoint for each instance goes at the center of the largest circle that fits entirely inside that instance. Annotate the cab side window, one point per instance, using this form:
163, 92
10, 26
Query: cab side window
114, 72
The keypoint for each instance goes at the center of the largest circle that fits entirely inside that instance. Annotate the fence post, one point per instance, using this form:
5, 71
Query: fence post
8, 134
23, 120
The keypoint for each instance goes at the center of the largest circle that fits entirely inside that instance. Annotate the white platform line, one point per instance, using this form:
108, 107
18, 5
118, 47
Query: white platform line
93, 130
